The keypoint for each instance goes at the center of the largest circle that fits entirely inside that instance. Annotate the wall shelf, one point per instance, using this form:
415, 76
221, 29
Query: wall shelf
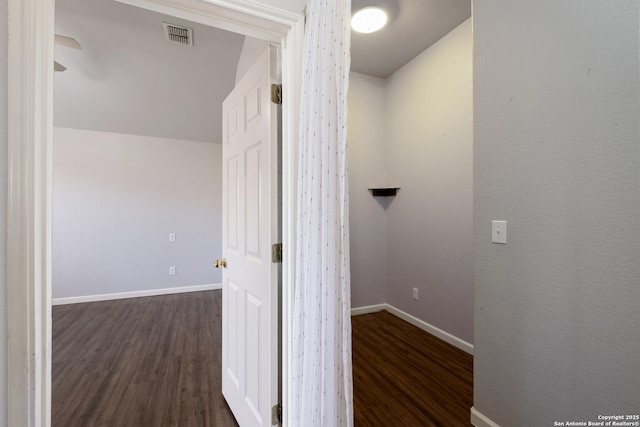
384, 191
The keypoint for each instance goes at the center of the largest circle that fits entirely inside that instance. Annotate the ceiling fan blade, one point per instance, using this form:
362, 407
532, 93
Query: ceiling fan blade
58, 66
67, 42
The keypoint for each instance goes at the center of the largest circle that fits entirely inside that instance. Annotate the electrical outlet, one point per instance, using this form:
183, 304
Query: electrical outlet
172, 270
172, 237
416, 294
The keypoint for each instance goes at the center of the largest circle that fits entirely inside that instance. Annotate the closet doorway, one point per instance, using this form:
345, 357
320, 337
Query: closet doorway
411, 202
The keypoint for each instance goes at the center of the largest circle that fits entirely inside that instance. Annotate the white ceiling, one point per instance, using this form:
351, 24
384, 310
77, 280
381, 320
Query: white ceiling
413, 26
129, 79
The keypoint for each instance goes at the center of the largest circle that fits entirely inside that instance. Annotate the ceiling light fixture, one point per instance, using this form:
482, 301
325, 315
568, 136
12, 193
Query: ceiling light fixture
369, 20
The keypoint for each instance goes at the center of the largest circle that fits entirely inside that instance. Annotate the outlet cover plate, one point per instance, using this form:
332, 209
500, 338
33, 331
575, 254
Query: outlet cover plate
499, 232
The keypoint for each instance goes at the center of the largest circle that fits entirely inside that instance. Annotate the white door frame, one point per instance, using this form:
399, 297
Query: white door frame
30, 129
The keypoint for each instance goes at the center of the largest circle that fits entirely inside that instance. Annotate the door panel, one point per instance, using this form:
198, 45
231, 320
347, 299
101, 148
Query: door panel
231, 347
252, 102
232, 205
253, 174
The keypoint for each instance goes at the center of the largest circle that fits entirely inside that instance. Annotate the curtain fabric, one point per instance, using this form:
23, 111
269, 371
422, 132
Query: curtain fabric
322, 389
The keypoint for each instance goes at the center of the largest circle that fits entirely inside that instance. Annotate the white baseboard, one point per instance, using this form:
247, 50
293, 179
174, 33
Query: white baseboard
478, 419
135, 294
368, 309
433, 330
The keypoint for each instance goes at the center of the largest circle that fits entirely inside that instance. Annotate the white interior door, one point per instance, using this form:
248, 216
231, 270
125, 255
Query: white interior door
250, 365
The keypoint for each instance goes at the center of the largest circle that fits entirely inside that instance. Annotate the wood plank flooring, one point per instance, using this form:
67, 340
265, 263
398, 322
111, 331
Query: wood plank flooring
156, 361
141, 362
406, 377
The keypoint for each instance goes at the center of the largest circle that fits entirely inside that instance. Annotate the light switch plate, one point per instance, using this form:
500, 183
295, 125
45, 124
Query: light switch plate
499, 232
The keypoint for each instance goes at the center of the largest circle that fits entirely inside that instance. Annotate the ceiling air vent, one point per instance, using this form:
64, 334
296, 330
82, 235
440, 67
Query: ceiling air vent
178, 34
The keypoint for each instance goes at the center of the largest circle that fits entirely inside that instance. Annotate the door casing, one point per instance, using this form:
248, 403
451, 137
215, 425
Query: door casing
30, 129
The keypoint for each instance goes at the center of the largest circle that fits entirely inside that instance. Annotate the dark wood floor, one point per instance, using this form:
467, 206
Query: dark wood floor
403, 376
147, 362
141, 362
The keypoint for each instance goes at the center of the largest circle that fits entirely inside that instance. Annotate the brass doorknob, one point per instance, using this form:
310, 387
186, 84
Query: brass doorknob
220, 263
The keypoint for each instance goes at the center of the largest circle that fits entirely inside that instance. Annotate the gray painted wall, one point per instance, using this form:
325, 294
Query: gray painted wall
556, 154
414, 130
295, 6
251, 51
116, 199
430, 156
367, 141
3, 210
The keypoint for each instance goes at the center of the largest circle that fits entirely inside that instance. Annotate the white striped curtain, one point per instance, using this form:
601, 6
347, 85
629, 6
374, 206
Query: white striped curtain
322, 389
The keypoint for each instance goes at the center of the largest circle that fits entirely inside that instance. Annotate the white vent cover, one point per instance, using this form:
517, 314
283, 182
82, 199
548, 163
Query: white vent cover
178, 34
